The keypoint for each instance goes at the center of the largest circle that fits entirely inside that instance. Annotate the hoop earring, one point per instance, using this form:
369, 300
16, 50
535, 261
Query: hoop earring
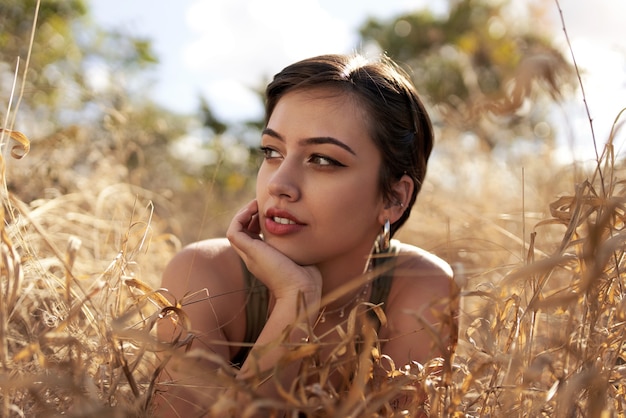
383, 241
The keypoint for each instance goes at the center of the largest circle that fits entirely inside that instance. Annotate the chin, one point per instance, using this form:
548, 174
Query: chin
292, 251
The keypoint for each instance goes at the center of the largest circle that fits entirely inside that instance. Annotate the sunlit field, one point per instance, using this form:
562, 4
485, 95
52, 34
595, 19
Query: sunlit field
537, 248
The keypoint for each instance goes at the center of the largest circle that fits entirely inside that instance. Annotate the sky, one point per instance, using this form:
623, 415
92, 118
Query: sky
220, 49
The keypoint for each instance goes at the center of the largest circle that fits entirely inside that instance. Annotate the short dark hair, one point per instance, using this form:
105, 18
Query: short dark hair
398, 122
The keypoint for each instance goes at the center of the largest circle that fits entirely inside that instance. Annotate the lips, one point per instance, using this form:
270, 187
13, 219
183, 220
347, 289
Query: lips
281, 222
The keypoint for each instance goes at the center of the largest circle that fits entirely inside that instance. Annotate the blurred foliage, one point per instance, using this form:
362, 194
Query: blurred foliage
71, 63
56, 56
86, 110
479, 68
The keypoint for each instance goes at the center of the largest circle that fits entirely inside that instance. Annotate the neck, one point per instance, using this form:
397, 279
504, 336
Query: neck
344, 279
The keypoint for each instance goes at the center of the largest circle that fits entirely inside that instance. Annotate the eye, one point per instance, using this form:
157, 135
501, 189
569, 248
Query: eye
324, 161
269, 153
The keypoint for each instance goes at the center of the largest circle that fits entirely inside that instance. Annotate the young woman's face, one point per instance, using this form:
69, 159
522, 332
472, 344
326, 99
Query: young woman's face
317, 188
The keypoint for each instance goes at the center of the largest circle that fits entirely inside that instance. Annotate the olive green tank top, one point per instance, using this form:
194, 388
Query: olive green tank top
257, 302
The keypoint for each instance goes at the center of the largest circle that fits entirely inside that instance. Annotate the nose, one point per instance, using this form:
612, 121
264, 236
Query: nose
284, 182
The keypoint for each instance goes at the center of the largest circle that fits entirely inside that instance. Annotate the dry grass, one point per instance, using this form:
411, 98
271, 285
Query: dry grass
542, 333
75, 313
542, 322
549, 339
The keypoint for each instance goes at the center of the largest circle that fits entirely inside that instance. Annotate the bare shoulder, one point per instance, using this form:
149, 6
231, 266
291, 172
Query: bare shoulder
415, 263
211, 263
206, 280
422, 282
423, 294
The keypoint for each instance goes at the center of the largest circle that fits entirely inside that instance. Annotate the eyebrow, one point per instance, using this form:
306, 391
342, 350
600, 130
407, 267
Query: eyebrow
312, 141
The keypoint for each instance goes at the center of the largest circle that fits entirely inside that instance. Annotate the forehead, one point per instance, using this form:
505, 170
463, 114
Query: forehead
322, 110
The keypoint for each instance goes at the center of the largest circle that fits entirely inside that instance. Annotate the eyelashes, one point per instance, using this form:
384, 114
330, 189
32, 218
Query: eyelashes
324, 161
269, 153
319, 160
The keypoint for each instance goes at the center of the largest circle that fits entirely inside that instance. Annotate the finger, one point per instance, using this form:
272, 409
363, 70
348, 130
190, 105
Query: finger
254, 226
243, 218
238, 233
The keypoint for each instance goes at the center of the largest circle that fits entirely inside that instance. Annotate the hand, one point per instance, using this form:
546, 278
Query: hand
278, 272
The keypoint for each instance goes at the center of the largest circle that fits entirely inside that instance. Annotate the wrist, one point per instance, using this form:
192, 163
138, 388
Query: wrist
310, 288
311, 296
298, 301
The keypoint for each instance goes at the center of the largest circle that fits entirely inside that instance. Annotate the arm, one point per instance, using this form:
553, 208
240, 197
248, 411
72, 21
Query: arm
293, 287
221, 320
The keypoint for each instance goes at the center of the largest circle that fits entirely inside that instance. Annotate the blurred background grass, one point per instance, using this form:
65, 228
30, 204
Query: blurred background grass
114, 185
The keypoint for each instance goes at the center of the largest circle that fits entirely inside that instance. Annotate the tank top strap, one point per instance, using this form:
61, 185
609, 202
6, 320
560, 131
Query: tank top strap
381, 285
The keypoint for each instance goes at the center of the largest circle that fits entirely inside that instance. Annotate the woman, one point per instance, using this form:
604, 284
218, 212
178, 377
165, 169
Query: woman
345, 148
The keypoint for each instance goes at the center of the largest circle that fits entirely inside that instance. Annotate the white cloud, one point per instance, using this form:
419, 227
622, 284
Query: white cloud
236, 100
598, 42
603, 72
599, 21
260, 32
242, 41
238, 44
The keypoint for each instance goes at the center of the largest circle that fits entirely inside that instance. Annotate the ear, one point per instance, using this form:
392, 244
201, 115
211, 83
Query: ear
402, 192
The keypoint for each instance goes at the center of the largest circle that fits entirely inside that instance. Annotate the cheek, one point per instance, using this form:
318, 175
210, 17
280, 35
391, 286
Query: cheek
366, 187
358, 198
